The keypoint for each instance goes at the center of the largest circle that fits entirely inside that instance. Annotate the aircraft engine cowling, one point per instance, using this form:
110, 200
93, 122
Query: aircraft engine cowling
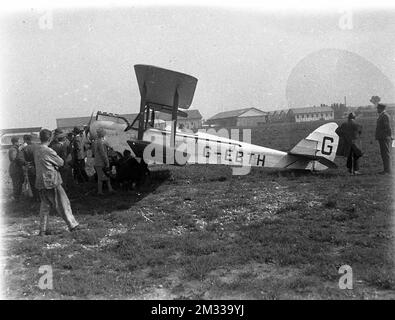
110, 127
115, 134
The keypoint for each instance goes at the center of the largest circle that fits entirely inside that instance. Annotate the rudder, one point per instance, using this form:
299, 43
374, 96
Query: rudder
322, 142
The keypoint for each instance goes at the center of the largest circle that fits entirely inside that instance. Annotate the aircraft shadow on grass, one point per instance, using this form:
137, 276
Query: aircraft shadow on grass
302, 173
122, 199
85, 201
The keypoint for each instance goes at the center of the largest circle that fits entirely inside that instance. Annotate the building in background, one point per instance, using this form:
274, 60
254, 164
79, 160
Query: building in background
338, 110
279, 116
7, 134
311, 114
272, 116
192, 122
248, 117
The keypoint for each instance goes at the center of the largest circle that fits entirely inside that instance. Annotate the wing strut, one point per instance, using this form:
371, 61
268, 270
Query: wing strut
141, 114
174, 119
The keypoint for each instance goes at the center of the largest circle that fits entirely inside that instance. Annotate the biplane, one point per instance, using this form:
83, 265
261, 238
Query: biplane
171, 92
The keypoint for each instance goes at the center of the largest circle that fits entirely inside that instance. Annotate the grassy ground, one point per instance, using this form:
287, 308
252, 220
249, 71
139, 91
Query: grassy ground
199, 232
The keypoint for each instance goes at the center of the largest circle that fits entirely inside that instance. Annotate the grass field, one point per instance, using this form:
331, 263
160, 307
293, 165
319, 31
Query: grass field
199, 232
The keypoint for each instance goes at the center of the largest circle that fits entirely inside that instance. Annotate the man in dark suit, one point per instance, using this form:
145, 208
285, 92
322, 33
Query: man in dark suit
349, 133
384, 137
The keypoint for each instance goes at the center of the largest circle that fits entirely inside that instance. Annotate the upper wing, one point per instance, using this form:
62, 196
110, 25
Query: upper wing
158, 85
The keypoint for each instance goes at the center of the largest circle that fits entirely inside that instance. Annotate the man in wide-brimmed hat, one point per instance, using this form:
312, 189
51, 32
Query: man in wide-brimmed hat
375, 100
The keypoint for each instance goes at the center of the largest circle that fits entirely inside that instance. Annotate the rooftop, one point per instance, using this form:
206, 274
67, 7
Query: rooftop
191, 114
233, 113
311, 110
20, 130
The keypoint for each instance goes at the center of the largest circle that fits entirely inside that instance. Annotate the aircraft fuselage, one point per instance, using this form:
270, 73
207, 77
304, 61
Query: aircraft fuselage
200, 147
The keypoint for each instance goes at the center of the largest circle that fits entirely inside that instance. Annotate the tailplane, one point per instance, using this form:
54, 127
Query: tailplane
319, 147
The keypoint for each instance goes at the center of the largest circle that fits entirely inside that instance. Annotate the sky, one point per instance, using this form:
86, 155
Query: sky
70, 62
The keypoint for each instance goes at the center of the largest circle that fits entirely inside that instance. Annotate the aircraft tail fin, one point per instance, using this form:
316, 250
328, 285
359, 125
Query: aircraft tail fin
320, 145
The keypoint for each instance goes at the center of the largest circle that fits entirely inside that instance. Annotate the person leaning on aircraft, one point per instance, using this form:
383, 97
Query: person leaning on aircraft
349, 133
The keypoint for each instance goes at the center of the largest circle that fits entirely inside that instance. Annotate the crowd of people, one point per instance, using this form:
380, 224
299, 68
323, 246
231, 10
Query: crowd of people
73, 148
56, 164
